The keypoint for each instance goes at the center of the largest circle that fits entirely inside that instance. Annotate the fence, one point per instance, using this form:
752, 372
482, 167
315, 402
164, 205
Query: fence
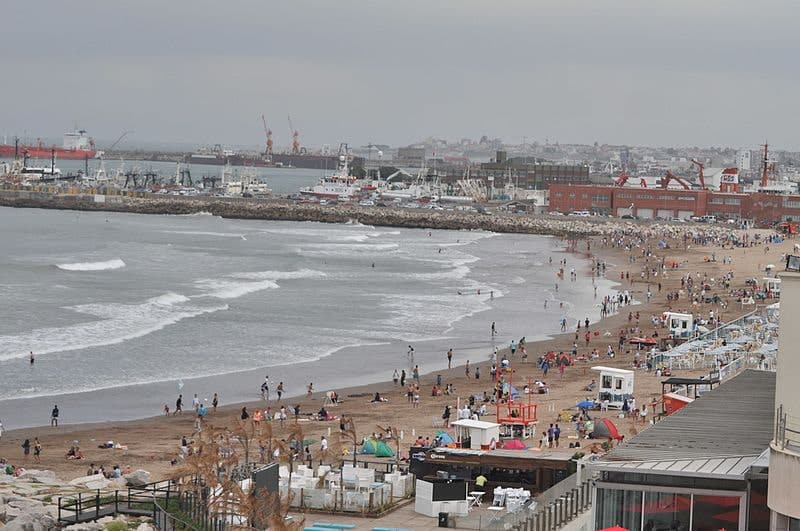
787, 430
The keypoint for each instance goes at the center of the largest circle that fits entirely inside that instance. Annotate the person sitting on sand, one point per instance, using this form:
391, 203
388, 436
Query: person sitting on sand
322, 414
74, 453
378, 398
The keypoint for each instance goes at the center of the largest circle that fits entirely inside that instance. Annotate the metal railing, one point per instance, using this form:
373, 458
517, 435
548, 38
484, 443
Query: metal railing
560, 510
787, 430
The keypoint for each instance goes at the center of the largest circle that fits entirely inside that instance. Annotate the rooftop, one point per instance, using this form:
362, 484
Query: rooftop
721, 433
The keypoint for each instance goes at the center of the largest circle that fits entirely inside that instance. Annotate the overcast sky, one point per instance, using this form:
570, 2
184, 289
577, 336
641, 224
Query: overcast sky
679, 72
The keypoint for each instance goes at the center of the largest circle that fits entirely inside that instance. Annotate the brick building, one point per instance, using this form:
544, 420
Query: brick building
657, 203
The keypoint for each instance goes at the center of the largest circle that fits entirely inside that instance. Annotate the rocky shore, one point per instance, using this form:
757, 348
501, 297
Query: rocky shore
284, 210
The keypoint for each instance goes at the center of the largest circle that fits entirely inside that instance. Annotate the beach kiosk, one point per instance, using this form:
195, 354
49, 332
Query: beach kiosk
477, 434
680, 325
615, 385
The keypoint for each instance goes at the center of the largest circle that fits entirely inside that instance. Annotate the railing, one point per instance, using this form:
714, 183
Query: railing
787, 430
560, 510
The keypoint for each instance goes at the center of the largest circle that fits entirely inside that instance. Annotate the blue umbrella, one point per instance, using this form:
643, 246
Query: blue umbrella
586, 404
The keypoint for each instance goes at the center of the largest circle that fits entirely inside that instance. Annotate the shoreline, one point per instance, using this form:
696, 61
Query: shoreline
148, 398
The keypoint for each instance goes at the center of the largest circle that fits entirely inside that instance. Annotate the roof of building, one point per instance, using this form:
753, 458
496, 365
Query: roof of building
676, 380
612, 370
721, 433
469, 423
516, 454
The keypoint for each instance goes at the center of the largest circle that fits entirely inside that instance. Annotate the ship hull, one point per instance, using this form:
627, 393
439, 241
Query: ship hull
312, 162
42, 152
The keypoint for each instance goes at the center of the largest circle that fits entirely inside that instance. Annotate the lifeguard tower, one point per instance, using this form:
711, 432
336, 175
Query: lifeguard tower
615, 385
517, 419
680, 325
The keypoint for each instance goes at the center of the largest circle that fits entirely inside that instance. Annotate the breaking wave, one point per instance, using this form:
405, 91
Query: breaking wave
115, 263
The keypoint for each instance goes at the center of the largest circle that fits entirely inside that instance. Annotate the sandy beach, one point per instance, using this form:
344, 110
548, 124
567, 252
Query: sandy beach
152, 443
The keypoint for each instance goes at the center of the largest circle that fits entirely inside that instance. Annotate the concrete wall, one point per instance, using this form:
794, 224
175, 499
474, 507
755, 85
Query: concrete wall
784, 464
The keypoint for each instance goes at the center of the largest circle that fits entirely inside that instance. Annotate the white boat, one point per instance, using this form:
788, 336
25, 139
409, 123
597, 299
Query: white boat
340, 184
245, 183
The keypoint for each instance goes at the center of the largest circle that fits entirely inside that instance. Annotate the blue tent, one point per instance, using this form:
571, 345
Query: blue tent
444, 437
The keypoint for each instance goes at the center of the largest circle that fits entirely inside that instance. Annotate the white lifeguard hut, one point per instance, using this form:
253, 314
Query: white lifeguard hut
680, 325
772, 287
614, 385
477, 434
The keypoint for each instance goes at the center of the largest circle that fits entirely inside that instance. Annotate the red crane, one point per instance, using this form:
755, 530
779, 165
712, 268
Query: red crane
295, 137
268, 132
669, 176
700, 175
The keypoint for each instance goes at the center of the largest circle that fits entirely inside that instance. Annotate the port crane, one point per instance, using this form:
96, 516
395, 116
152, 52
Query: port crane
268, 133
295, 137
701, 176
669, 176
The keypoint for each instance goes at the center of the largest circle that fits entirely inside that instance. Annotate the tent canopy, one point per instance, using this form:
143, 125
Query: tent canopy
514, 444
605, 429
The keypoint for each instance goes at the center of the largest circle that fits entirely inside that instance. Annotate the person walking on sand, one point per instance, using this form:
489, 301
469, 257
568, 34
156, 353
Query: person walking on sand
395, 376
54, 416
32, 359
415, 373
310, 390
37, 450
279, 390
450, 358
265, 388
215, 402
494, 329
466, 369
403, 378
26, 449
178, 405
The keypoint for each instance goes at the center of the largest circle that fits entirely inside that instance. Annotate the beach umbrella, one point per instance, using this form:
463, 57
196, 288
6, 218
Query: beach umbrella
615, 528
586, 404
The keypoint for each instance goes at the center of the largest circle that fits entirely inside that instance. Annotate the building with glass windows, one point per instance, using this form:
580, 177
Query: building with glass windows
703, 468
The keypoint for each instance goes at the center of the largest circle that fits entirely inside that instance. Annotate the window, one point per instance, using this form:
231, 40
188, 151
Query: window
722, 509
618, 507
663, 510
606, 383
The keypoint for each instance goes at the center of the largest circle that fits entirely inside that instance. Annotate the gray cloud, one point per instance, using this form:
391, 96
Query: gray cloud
617, 71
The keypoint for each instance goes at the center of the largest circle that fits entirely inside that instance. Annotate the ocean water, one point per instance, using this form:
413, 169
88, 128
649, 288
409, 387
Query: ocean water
125, 311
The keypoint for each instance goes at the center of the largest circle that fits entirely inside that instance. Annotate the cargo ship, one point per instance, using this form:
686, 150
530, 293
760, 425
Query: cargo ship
217, 156
76, 145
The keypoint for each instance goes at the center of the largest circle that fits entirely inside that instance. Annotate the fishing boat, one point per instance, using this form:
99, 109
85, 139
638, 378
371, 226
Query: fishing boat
338, 185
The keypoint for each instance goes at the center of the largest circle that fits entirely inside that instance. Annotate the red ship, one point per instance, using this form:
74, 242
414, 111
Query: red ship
76, 146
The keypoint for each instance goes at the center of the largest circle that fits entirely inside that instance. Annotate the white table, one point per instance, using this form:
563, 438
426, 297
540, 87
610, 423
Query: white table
476, 496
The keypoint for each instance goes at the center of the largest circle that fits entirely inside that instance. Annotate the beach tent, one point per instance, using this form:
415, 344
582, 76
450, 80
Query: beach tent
382, 450
615, 528
444, 437
368, 447
605, 429
514, 444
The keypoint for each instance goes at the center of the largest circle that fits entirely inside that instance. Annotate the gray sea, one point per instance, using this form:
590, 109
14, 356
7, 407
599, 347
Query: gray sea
125, 311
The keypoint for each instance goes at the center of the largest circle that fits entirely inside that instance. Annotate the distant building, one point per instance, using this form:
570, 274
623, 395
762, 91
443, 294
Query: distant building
410, 156
744, 159
530, 173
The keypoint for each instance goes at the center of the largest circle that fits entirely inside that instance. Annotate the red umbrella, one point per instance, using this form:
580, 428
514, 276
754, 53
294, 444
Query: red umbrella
615, 528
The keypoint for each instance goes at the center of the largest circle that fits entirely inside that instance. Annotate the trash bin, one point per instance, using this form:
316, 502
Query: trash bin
444, 520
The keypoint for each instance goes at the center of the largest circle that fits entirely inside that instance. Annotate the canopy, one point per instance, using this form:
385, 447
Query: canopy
642, 341
586, 404
368, 447
605, 429
514, 444
382, 450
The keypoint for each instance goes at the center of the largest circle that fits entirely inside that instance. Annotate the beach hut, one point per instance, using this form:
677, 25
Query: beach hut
680, 325
772, 287
477, 434
615, 385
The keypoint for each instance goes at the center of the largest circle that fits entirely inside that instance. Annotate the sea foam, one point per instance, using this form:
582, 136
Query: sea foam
115, 263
